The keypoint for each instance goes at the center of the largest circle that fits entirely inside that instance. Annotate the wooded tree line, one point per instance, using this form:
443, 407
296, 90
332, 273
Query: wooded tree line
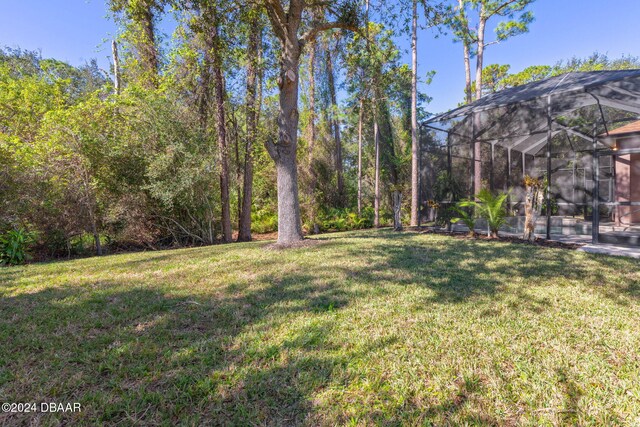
255, 116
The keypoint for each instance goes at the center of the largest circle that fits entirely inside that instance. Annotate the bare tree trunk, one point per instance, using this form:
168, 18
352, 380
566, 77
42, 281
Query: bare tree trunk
467, 56
397, 208
254, 51
286, 24
96, 237
467, 73
360, 119
414, 116
532, 207
335, 122
480, 55
239, 165
312, 138
376, 191
116, 67
222, 133
284, 152
477, 146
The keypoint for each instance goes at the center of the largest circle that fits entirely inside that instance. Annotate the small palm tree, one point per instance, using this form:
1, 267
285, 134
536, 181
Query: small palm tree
492, 208
465, 216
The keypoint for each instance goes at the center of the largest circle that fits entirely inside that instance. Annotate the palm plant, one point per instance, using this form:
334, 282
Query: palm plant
466, 216
492, 208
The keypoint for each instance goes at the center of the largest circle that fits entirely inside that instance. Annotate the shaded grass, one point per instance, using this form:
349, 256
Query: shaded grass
363, 328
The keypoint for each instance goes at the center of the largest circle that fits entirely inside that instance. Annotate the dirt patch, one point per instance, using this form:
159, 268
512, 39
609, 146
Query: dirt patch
305, 243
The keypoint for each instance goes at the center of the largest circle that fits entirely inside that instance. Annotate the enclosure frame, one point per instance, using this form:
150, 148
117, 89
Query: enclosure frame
557, 96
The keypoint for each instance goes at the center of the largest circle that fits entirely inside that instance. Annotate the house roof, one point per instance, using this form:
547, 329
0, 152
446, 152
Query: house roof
626, 129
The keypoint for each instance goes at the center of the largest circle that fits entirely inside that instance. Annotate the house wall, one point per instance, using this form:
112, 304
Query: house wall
628, 181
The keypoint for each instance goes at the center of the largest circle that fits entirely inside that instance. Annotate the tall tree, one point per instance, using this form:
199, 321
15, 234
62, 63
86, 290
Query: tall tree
512, 26
460, 26
209, 26
220, 95
434, 12
140, 17
252, 107
286, 19
334, 121
517, 22
414, 116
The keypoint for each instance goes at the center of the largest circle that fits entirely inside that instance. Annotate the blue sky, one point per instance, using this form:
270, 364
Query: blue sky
76, 30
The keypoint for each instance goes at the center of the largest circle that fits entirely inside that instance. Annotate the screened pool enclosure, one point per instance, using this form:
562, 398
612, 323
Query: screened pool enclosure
580, 132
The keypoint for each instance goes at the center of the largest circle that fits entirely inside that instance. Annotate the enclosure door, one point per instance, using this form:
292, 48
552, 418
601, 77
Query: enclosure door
618, 219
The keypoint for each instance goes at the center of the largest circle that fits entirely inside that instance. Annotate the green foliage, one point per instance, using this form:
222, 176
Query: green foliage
492, 208
14, 245
340, 219
465, 214
487, 205
496, 76
447, 188
264, 221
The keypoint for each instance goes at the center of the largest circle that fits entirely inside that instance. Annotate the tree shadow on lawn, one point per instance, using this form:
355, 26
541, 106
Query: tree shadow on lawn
136, 352
457, 270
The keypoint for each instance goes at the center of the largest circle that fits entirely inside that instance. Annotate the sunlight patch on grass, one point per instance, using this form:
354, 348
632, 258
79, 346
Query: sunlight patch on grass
366, 327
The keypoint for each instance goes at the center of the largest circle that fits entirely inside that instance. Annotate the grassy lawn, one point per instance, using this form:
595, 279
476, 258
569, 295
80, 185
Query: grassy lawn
363, 328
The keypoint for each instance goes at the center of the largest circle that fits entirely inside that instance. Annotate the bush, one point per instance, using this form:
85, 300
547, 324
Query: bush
14, 245
345, 219
488, 206
467, 218
492, 207
264, 221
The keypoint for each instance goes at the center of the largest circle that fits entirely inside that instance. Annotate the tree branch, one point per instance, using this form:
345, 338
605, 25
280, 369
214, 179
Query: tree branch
499, 9
277, 16
323, 26
271, 148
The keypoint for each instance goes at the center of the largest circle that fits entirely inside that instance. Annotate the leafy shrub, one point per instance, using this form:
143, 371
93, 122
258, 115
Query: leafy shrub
14, 245
492, 208
335, 219
465, 215
264, 221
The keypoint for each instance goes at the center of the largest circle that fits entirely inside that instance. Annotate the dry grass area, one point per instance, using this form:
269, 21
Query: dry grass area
366, 328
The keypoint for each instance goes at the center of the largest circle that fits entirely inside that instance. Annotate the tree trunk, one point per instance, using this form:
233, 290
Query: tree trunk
255, 36
284, 152
480, 55
477, 146
285, 24
360, 119
532, 209
116, 67
312, 138
467, 55
239, 165
96, 238
467, 73
414, 117
147, 47
335, 123
397, 207
376, 191
222, 133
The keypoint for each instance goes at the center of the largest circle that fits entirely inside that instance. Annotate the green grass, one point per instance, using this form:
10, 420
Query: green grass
364, 328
